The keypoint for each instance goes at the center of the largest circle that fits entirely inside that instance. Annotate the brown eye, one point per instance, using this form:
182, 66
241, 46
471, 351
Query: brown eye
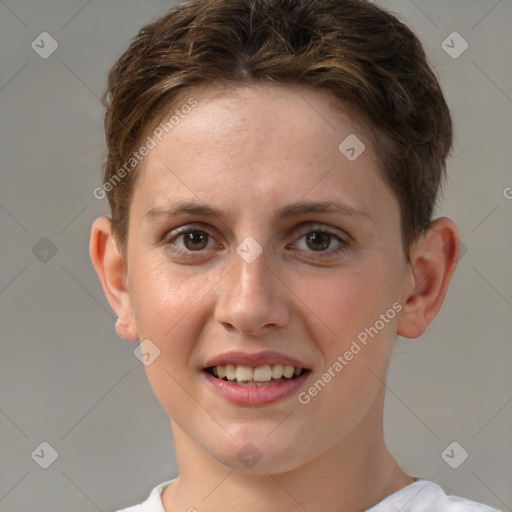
318, 241
195, 240
189, 240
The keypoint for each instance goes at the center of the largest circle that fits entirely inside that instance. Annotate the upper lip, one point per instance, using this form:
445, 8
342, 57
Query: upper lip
254, 359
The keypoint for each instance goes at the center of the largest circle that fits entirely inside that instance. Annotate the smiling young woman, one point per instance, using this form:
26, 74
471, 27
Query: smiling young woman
253, 250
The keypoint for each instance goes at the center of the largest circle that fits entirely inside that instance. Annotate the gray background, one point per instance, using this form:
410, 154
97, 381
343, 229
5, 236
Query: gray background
67, 379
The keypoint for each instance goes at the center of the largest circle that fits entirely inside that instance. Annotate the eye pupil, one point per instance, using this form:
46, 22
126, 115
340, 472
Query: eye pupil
320, 241
195, 237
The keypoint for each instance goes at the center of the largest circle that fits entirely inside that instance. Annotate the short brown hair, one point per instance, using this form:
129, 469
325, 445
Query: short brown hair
363, 55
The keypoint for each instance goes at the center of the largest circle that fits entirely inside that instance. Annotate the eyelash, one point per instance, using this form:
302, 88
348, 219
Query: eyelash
344, 245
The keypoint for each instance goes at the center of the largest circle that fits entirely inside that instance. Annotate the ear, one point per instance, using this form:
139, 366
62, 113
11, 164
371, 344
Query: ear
112, 271
433, 261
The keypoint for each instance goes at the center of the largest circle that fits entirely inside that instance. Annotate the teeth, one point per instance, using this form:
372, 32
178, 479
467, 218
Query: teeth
262, 373
288, 371
243, 373
277, 371
246, 374
230, 371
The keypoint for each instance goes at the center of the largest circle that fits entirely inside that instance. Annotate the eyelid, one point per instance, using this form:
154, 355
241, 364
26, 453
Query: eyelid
306, 227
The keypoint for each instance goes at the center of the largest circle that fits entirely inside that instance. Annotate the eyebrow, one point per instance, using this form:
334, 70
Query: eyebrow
291, 210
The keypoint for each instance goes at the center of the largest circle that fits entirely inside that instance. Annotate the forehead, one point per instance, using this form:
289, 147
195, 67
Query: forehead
268, 115
254, 142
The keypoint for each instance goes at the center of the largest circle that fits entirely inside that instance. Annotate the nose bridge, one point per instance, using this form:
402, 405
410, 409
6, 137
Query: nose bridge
254, 275
251, 297
251, 264
251, 281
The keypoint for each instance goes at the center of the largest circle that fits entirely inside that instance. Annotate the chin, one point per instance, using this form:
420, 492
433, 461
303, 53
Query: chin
258, 453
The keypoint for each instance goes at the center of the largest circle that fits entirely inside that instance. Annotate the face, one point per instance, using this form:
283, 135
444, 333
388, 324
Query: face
254, 241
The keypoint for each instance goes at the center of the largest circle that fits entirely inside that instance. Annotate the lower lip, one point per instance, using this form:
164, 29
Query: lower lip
252, 396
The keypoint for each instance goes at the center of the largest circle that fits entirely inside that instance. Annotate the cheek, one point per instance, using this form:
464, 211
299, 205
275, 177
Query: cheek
167, 308
347, 324
355, 341
161, 298
171, 308
347, 301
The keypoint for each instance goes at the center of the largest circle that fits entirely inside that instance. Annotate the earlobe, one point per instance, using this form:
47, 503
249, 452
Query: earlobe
111, 270
433, 262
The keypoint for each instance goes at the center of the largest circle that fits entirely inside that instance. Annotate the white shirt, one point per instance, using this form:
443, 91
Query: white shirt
420, 496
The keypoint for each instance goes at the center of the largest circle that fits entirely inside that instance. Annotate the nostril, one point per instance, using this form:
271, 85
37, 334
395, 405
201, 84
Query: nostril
229, 327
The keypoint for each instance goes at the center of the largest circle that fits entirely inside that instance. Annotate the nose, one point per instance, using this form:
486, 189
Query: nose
252, 298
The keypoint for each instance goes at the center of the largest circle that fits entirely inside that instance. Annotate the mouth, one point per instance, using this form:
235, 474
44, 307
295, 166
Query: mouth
265, 375
250, 379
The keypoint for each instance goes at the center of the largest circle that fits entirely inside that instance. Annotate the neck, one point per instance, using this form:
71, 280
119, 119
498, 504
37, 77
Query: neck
352, 475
